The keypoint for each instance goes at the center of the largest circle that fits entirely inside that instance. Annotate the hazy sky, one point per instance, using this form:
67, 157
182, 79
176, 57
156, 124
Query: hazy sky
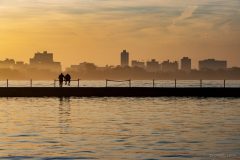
98, 30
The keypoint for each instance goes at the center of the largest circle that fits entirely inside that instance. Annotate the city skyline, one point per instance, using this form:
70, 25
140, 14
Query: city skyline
95, 31
46, 59
42, 66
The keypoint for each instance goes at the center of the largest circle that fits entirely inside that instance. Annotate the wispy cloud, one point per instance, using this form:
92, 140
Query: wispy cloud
163, 13
168, 22
187, 13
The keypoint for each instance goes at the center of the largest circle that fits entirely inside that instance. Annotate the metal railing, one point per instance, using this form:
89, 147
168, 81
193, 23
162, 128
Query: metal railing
129, 81
78, 82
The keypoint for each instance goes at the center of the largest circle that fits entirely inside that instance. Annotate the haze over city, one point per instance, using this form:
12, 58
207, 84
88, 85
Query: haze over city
95, 31
43, 66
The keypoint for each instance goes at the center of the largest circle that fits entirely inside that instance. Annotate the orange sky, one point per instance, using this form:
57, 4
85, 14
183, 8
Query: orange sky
98, 30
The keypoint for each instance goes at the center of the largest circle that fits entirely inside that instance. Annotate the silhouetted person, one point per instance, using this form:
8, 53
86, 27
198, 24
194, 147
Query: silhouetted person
61, 78
67, 80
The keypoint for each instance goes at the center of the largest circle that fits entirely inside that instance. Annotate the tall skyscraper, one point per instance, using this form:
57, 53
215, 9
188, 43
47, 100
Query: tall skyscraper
186, 64
124, 58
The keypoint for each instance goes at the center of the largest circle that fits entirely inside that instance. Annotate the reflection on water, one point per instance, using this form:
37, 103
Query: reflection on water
119, 128
64, 114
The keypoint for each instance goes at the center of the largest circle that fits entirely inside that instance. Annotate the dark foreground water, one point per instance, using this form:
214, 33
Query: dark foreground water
119, 128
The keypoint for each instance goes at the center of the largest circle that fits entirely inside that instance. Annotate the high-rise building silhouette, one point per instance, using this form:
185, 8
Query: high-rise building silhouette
168, 66
153, 66
212, 64
42, 58
45, 61
124, 58
186, 64
138, 64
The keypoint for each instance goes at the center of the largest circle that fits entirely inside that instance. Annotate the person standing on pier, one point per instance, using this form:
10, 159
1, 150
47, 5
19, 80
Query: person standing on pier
61, 78
67, 80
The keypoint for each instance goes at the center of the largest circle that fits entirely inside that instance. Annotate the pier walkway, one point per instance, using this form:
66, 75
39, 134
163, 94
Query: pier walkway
129, 91
117, 92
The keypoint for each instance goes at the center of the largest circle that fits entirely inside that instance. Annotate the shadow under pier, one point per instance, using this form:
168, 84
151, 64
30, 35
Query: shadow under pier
117, 92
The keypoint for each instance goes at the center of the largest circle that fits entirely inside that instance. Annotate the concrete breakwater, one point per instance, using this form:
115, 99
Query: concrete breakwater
117, 92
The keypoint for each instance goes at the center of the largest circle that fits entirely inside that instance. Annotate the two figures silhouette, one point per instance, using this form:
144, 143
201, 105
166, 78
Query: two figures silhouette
66, 78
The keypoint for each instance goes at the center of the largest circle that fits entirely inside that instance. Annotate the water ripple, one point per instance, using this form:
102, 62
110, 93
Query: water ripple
118, 128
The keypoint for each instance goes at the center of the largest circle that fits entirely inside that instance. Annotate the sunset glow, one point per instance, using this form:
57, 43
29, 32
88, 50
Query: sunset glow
98, 30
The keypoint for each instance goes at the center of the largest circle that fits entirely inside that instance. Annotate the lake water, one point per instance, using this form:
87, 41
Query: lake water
120, 128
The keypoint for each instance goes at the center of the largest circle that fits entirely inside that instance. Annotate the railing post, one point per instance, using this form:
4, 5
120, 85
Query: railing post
200, 83
30, 82
7, 83
106, 83
224, 83
175, 83
153, 83
78, 82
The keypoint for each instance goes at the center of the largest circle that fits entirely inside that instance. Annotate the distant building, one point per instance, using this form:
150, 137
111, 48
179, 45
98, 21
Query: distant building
153, 66
20, 65
124, 58
7, 64
45, 61
186, 64
168, 66
138, 64
212, 64
82, 67
42, 58
87, 66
